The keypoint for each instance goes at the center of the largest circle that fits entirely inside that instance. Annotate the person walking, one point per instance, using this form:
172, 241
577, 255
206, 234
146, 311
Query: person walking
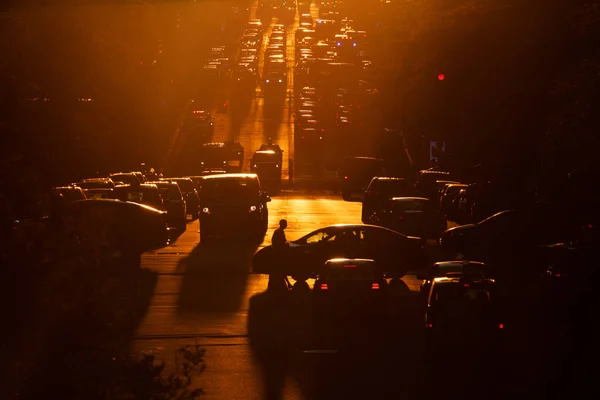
278, 278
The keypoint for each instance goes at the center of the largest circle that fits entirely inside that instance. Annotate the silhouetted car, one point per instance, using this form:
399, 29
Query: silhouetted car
201, 125
130, 228
147, 194
221, 155
415, 216
96, 183
232, 204
509, 233
464, 308
190, 194
447, 196
106, 193
380, 191
127, 178
356, 174
174, 203
394, 252
70, 193
349, 285
427, 185
451, 268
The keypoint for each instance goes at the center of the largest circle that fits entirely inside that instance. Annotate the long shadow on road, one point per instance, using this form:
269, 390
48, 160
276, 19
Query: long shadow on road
360, 360
91, 332
215, 277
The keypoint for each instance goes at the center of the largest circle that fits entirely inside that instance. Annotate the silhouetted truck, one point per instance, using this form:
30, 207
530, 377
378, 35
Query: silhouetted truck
228, 156
267, 165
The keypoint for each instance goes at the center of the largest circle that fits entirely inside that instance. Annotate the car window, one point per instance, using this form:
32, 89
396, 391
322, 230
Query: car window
185, 185
170, 192
389, 188
320, 236
411, 205
353, 274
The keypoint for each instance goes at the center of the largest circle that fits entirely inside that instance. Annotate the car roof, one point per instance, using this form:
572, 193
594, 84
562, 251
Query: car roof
457, 263
176, 178
119, 202
400, 199
268, 152
449, 280
158, 183
387, 178
363, 158
341, 262
231, 176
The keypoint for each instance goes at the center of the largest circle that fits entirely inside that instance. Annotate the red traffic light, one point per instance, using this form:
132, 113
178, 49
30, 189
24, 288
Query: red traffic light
441, 77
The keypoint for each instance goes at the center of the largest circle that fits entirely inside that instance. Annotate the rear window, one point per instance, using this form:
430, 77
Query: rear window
364, 166
411, 205
125, 178
459, 294
139, 195
186, 185
170, 191
265, 157
72, 194
95, 185
389, 187
348, 274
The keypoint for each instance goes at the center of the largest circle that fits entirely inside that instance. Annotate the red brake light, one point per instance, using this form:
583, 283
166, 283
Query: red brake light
500, 326
441, 77
346, 177
430, 325
557, 275
375, 286
466, 285
324, 286
349, 266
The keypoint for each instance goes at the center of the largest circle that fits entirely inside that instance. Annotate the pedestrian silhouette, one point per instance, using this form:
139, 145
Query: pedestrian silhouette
278, 277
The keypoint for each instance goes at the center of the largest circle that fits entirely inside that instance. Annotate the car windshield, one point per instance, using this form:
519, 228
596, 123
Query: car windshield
218, 188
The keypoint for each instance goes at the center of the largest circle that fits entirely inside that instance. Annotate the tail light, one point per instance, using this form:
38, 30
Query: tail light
500, 326
324, 286
346, 177
430, 325
375, 286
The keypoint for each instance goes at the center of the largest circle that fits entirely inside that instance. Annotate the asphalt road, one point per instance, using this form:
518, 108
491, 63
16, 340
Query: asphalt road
205, 294
257, 348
